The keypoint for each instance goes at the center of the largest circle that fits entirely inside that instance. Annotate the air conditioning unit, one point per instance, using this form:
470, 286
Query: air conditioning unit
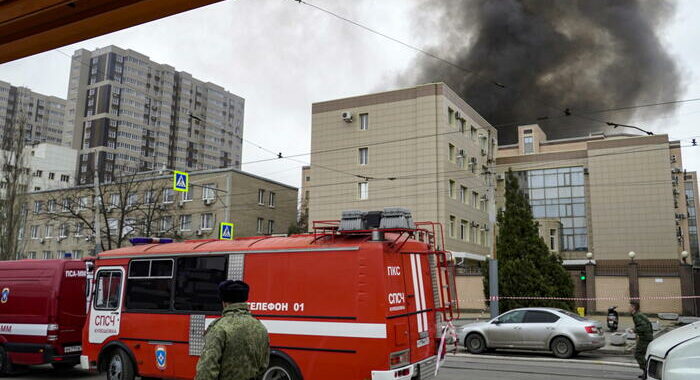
458, 115
500, 177
347, 116
472, 161
208, 201
41, 241
483, 152
199, 232
676, 170
462, 154
484, 197
475, 224
181, 204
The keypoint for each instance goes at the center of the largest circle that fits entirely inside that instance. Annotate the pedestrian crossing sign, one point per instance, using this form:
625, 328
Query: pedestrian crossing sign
181, 181
226, 231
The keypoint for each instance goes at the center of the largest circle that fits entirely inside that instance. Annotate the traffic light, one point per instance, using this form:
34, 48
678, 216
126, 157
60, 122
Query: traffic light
582, 276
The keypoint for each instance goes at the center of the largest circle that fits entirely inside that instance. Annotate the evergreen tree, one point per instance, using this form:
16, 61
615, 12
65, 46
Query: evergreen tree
526, 267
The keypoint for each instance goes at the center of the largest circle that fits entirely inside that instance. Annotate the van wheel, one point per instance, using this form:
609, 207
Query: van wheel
119, 366
280, 369
5, 364
475, 343
562, 347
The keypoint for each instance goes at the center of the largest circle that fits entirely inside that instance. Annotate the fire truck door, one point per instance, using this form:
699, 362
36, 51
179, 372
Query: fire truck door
419, 326
105, 309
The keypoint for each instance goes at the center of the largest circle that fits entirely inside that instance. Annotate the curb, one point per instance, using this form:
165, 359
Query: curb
549, 360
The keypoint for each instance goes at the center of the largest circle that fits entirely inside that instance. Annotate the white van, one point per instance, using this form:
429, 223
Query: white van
675, 355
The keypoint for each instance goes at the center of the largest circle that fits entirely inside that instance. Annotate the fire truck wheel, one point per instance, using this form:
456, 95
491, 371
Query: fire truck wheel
280, 369
119, 366
475, 343
5, 364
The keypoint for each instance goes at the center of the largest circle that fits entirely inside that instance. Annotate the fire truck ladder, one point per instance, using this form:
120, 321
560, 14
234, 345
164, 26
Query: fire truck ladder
442, 270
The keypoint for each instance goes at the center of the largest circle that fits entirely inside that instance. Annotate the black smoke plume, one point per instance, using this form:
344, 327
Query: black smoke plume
544, 59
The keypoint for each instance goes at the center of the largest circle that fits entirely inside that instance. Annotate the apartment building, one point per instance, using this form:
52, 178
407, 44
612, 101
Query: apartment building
127, 113
41, 115
59, 223
422, 148
50, 166
610, 195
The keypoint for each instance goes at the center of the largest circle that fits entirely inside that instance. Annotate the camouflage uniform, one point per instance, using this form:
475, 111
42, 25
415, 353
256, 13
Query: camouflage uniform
236, 347
645, 333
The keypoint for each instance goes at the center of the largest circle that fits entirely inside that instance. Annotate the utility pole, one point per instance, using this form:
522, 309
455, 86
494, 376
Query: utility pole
493, 287
96, 213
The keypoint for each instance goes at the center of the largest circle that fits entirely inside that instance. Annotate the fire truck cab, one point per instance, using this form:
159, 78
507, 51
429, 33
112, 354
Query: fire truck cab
367, 297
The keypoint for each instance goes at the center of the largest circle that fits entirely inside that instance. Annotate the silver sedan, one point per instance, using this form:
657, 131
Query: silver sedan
562, 332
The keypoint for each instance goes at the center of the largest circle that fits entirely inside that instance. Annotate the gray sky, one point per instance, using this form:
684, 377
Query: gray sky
282, 56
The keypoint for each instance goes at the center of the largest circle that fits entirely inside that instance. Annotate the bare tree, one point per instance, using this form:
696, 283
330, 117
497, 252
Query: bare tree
14, 178
132, 205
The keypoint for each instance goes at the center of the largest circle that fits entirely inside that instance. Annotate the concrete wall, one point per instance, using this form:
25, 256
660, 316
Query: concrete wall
650, 287
614, 287
470, 292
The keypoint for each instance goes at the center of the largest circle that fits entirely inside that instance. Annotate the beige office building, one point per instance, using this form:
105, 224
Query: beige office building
611, 195
422, 148
59, 223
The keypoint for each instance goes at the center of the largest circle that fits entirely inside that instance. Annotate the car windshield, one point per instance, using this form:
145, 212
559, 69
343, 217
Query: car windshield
572, 315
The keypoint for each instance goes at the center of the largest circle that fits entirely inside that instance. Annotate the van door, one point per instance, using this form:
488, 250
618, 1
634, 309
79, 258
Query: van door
106, 305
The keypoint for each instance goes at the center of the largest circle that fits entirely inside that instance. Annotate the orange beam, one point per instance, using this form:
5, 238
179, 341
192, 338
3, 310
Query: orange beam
32, 26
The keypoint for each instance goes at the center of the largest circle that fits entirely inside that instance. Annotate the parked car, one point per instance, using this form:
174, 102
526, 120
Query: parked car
560, 331
675, 355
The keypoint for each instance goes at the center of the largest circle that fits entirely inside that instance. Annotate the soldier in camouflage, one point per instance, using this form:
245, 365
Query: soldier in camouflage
644, 333
236, 346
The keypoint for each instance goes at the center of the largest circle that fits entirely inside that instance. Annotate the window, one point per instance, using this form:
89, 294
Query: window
259, 228
63, 230
208, 191
463, 194
66, 204
168, 195
536, 316
51, 205
451, 189
185, 222
78, 254
261, 197
364, 156
79, 228
450, 116
451, 226
149, 284
270, 227
47, 255
149, 197
364, 121
196, 283
38, 205
528, 145
166, 223
31, 255
552, 239
271, 199
516, 316
186, 196
34, 231
363, 190
463, 126
84, 202
464, 230
49, 231
451, 155
207, 221
475, 199
52, 175
114, 199
108, 289
38, 173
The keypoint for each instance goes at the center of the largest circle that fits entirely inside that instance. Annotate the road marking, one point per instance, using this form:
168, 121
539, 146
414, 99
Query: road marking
550, 360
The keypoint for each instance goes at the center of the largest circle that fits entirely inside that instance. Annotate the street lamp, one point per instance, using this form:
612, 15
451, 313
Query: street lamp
684, 256
632, 255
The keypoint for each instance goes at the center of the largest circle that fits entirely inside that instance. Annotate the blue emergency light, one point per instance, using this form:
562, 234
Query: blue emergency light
150, 240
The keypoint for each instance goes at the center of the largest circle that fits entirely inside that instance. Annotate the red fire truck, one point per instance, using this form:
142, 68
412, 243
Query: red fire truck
42, 312
349, 301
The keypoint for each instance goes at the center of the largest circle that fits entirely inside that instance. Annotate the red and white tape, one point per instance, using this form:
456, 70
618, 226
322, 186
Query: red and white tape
621, 298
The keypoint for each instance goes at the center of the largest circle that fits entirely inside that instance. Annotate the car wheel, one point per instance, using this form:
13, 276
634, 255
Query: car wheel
5, 364
475, 343
280, 369
119, 366
562, 347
